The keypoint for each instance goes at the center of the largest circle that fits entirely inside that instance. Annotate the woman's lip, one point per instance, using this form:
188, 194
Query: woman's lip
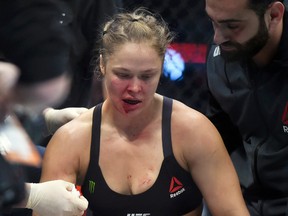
128, 107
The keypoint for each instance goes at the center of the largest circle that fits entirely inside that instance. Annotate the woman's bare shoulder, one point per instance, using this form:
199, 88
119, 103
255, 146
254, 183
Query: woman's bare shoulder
69, 146
188, 117
192, 132
78, 124
77, 130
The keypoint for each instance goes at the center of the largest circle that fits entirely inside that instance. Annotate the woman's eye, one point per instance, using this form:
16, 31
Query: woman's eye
123, 75
145, 77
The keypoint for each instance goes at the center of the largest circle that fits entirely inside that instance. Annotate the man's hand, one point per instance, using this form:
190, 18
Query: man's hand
55, 118
56, 197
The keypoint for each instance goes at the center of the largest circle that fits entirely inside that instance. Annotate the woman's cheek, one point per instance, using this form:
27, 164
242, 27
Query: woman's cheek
117, 86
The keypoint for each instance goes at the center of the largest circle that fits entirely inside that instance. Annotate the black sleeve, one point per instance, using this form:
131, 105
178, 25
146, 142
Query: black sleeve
35, 35
229, 132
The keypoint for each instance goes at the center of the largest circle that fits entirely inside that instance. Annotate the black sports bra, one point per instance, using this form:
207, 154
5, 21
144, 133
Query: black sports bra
173, 193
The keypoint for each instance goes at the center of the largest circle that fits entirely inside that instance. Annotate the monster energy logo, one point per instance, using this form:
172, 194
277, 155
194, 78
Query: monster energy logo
91, 186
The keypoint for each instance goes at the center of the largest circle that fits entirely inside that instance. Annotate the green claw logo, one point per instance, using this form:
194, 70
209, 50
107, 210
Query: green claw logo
91, 186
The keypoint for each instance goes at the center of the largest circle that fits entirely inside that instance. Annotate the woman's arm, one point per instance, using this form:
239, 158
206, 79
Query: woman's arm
203, 153
68, 152
66, 157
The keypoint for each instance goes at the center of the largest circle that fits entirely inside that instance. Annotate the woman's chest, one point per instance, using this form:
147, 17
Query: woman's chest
131, 167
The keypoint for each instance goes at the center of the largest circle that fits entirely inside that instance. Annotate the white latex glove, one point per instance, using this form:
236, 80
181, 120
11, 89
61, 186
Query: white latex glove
56, 197
55, 118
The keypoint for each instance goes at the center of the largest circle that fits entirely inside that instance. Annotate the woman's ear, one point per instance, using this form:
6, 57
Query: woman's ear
102, 67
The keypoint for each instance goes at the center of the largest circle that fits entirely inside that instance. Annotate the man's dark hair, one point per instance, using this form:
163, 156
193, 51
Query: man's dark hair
260, 6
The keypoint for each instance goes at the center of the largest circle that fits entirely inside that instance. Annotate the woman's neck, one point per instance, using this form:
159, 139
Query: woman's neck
132, 126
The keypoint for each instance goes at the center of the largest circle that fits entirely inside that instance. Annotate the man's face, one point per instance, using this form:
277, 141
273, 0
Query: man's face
247, 49
239, 31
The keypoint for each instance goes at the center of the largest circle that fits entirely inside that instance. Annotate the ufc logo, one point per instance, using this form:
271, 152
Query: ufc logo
139, 214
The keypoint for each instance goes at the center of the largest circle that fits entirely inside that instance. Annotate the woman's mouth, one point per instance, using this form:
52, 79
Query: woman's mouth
131, 102
131, 105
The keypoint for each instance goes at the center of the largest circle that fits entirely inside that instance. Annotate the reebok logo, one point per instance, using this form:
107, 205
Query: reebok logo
176, 187
285, 119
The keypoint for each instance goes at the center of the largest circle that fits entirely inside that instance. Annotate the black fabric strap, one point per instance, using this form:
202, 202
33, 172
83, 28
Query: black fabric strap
95, 139
166, 126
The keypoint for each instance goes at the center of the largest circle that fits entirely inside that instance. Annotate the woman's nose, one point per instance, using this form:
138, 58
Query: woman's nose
134, 85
